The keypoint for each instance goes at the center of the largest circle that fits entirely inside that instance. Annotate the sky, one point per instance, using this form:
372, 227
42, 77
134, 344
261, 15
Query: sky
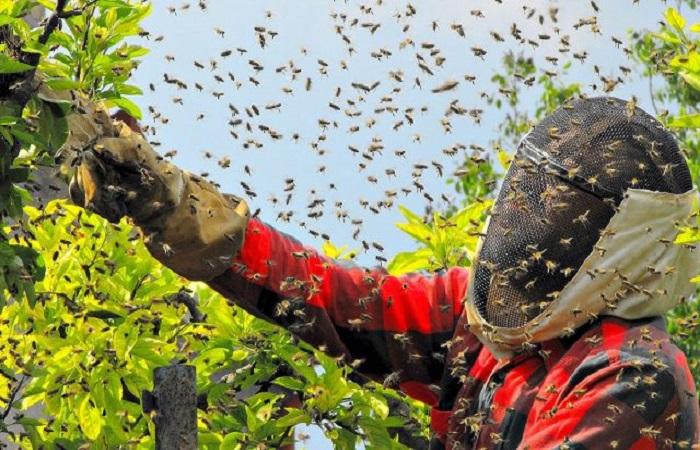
318, 124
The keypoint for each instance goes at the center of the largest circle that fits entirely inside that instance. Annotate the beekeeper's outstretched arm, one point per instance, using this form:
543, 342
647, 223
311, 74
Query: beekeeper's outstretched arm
398, 327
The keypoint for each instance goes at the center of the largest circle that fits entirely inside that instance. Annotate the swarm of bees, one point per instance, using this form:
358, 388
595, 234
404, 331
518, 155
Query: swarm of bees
376, 119
376, 98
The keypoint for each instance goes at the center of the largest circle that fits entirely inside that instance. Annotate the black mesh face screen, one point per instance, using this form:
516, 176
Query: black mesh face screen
567, 177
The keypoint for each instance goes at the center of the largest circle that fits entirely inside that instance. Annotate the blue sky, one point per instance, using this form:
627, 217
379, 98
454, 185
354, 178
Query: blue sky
306, 35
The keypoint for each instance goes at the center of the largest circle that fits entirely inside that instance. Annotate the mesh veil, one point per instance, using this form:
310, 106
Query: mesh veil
566, 180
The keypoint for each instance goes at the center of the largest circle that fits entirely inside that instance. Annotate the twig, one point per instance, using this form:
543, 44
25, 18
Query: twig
50, 26
88, 21
137, 286
13, 395
22, 88
191, 303
651, 94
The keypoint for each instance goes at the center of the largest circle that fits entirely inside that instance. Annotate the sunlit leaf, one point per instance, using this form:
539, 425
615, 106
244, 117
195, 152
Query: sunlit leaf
406, 262
687, 121
89, 418
692, 79
9, 65
674, 18
128, 106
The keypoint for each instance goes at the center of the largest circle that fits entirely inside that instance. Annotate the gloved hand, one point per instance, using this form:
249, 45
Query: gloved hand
122, 176
188, 225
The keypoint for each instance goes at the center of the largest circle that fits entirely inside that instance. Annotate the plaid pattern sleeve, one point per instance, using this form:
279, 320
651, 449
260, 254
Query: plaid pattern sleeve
396, 325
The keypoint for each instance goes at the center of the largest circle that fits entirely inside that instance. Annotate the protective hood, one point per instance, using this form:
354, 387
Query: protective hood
635, 271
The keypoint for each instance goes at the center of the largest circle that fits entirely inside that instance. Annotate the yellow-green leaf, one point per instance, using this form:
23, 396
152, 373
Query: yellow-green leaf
290, 383
504, 158
239, 355
405, 262
293, 417
128, 106
331, 250
379, 405
687, 121
90, 419
693, 79
9, 65
674, 19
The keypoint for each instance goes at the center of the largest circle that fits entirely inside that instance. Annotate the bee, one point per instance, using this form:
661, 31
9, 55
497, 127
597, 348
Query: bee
459, 29
478, 52
392, 379
447, 86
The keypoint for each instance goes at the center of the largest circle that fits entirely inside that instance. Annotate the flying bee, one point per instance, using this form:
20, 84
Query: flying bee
478, 52
446, 86
496, 36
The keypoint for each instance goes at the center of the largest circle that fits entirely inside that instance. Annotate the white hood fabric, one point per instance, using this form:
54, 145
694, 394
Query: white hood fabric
634, 271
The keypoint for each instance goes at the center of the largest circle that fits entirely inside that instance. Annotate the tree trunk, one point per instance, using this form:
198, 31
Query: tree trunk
175, 403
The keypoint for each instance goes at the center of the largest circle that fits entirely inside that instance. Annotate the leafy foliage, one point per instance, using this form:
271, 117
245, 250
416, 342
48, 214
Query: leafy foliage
91, 56
445, 241
106, 315
94, 56
672, 54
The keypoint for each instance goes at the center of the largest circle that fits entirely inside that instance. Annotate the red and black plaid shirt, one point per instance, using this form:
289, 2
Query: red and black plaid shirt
615, 384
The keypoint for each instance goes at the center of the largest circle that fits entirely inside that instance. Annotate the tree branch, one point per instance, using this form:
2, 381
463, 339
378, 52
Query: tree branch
13, 394
20, 87
191, 303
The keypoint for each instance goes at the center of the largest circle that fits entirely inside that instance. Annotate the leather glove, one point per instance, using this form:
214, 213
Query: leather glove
121, 175
188, 224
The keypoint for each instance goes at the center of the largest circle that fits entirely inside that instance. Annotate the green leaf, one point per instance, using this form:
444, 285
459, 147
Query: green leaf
415, 227
63, 39
293, 417
90, 419
146, 348
687, 121
128, 106
53, 125
48, 4
62, 84
674, 19
468, 216
688, 235
504, 158
406, 262
232, 440
667, 36
9, 65
8, 120
379, 405
128, 89
5, 19
239, 355
112, 4
290, 383
692, 79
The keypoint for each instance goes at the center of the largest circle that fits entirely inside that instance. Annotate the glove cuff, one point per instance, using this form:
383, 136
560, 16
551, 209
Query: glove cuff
199, 237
